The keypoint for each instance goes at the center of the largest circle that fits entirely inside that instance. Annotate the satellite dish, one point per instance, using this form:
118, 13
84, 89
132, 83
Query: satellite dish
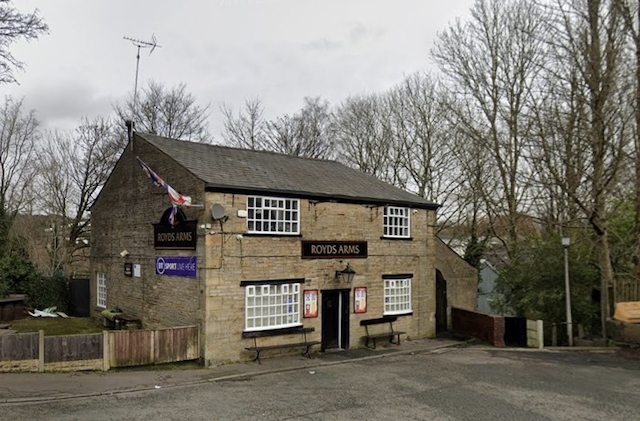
217, 211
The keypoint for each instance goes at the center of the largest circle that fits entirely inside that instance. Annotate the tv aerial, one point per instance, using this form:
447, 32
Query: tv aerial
153, 44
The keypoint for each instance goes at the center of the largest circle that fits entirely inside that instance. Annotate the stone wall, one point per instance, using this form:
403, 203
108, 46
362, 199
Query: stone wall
535, 334
623, 332
231, 259
461, 277
122, 219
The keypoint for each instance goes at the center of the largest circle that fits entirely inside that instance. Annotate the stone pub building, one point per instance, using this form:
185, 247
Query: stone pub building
271, 246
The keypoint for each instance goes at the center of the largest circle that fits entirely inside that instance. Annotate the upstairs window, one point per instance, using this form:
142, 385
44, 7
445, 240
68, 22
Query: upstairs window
396, 223
272, 215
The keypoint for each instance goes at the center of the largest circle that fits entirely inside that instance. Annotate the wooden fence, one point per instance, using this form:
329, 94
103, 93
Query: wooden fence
101, 351
627, 289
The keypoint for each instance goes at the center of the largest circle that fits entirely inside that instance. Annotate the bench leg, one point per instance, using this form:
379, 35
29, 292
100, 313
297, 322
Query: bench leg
391, 339
257, 358
374, 343
307, 352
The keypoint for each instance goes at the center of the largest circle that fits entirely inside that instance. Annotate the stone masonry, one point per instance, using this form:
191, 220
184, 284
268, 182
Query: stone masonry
129, 204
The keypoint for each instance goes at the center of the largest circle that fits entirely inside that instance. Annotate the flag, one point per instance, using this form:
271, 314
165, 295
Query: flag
172, 216
176, 198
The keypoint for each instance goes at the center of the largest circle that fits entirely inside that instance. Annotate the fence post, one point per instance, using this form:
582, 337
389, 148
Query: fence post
540, 333
154, 338
554, 335
41, 351
105, 351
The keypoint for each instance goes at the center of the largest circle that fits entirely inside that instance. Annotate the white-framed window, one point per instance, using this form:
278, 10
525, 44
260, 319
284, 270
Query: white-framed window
396, 222
272, 306
397, 296
273, 215
101, 290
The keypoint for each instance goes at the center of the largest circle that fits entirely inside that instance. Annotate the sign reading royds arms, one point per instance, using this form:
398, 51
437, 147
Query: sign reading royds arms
180, 234
334, 249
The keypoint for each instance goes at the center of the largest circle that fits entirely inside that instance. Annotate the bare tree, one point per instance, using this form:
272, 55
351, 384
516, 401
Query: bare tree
167, 112
73, 169
246, 128
306, 133
477, 179
584, 147
18, 138
630, 13
364, 139
13, 27
491, 63
418, 123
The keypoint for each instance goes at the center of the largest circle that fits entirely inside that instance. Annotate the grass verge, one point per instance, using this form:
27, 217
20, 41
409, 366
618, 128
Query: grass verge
58, 326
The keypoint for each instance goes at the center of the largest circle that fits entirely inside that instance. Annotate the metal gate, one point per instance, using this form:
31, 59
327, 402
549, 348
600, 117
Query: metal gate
515, 331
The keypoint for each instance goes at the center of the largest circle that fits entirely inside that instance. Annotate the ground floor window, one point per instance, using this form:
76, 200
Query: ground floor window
397, 296
272, 306
102, 290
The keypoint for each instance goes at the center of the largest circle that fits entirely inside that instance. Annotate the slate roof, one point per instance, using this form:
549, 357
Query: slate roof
224, 168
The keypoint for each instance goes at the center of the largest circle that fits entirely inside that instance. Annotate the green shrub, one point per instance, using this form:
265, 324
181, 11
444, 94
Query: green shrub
533, 284
16, 272
49, 291
4, 289
18, 275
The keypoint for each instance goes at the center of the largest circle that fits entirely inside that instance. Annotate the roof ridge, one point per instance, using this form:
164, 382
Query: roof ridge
145, 135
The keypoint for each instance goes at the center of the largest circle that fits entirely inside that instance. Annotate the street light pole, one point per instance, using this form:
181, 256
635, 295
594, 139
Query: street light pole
566, 241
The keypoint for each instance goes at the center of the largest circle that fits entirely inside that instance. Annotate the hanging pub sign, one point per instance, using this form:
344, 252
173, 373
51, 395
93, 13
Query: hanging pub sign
174, 231
334, 249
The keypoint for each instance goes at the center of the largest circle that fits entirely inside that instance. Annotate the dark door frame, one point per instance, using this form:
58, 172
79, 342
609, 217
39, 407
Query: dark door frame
441, 303
335, 336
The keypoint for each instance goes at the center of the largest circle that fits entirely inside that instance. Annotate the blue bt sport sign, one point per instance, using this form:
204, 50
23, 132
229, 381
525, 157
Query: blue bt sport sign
177, 266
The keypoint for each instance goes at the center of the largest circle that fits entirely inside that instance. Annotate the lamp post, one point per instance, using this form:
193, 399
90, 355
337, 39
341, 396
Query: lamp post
566, 241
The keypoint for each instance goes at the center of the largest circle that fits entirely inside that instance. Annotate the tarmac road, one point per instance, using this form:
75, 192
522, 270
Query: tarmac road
471, 383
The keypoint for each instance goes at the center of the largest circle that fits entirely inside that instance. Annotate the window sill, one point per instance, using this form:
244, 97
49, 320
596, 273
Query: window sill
397, 238
270, 234
398, 314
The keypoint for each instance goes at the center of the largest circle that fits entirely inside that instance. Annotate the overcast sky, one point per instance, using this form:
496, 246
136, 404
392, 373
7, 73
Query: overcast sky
224, 51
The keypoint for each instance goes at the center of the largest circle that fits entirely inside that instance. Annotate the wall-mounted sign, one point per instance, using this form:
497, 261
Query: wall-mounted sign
137, 270
360, 300
334, 249
310, 303
177, 266
178, 236
128, 269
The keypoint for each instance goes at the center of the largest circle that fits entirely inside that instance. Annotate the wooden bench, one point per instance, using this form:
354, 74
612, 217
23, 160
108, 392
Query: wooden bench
259, 348
390, 333
123, 321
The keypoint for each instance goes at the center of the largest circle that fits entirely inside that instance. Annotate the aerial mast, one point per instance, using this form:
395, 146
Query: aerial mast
153, 44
